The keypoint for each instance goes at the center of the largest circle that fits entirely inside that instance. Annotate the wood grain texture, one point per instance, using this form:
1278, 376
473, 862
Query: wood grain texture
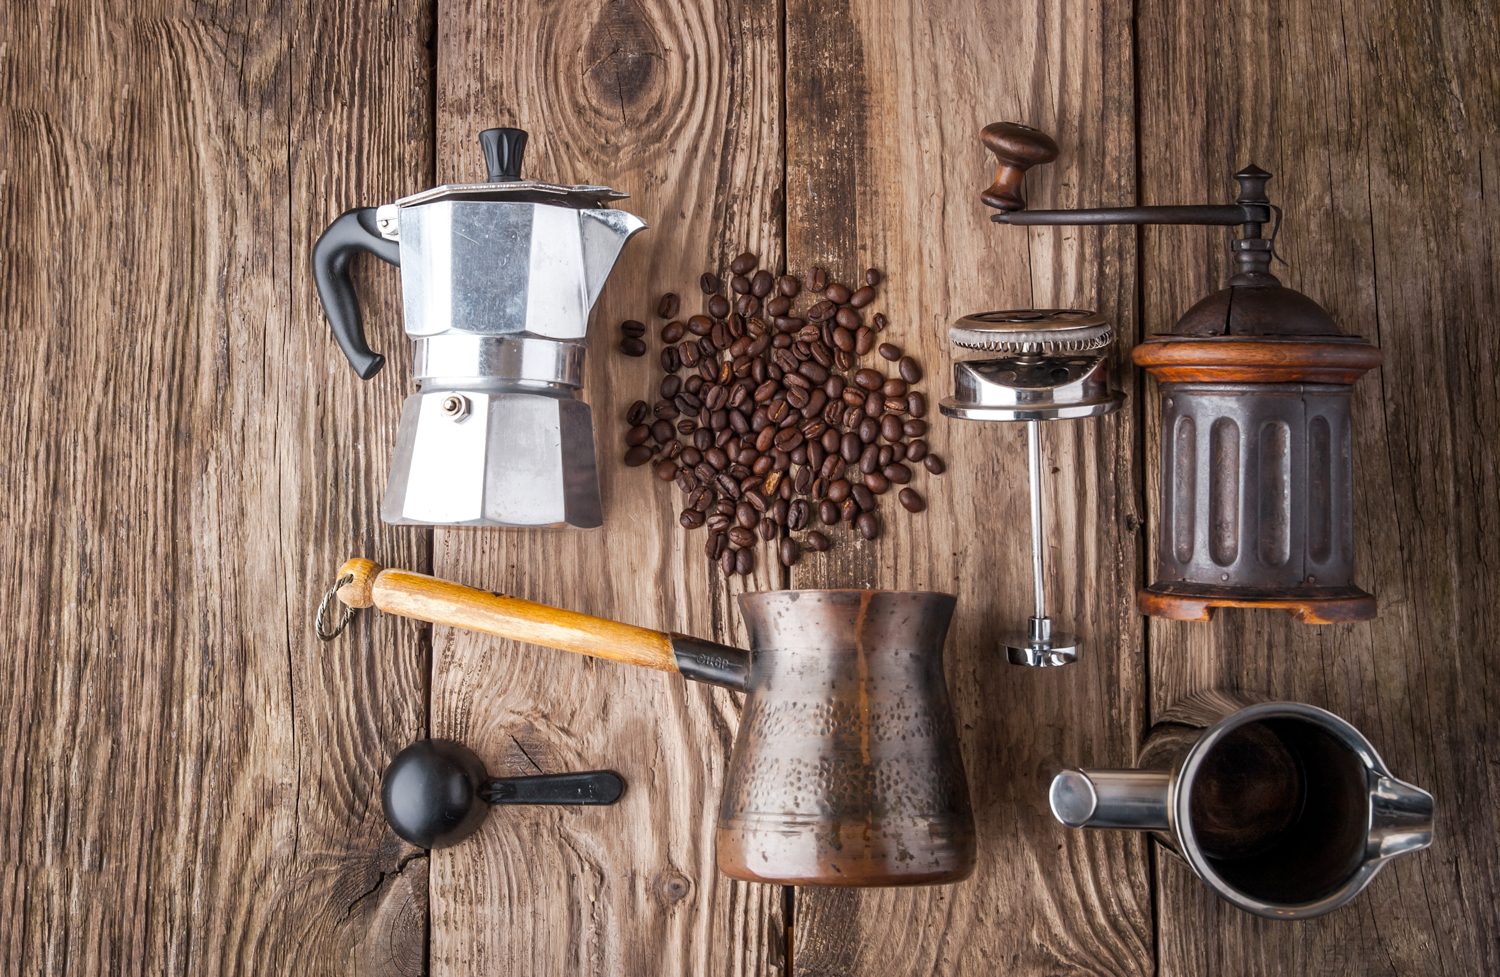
885, 103
190, 779
677, 104
1379, 120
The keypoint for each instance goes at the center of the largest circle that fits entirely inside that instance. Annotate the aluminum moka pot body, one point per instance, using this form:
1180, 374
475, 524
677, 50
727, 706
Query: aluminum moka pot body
846, 769
497, 281
1282, 808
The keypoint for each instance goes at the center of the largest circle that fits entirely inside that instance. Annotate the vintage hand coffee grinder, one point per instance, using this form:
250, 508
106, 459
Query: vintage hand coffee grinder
1257, 499
497, 281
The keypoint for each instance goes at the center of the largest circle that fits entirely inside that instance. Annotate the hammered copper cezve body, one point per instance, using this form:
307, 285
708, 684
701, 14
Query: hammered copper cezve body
846, 770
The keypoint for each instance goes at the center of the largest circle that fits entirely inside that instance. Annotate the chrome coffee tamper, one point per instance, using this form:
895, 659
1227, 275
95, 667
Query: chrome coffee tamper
1053, 366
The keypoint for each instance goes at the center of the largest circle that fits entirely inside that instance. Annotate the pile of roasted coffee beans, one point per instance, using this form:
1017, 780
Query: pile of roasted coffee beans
777, 423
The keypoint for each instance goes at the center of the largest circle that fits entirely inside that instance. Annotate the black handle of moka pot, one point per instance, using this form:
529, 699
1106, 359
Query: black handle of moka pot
592, 787
503, 149
354, 230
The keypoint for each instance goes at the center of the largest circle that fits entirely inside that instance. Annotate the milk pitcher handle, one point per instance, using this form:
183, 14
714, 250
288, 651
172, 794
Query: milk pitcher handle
354, 230
1400, 818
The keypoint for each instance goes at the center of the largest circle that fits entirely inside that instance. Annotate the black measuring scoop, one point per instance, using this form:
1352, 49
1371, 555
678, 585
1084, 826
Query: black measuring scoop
436, 792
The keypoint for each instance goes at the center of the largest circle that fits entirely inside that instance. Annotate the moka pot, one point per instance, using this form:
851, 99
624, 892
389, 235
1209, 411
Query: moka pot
497, 281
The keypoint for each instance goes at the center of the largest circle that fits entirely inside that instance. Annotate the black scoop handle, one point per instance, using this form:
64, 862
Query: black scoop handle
591, 787
354, 230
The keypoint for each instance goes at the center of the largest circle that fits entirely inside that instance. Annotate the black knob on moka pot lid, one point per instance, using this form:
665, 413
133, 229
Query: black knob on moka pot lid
503, 151
436, 793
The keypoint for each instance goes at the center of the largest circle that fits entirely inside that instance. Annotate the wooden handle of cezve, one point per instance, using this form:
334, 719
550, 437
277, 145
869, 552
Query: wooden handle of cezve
441, 602
1017, 148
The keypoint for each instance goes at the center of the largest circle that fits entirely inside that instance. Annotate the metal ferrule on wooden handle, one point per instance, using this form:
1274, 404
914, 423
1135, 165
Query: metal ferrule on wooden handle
427, 598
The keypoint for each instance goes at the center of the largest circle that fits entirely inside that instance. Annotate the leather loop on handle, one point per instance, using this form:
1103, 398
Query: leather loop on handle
427, 598
1017, 148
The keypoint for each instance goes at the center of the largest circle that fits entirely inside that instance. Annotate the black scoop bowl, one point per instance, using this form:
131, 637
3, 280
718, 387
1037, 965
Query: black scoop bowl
436, 792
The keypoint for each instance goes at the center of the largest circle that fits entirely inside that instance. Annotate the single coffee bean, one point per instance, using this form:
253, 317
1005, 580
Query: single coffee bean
849, 319
816, 541
789, 324
761, 465
709, 283
819, 490
911, 372
719, 334
844, 360
727, 561
879, 322
724, 507
934, 464
662, 431
885, 455
702, 498
672, 448
758, 500
668, 306
851, 447
796, 396
686, 480
898, 453
813, 372
868, 525
874, 404
741, 536
821, 311
816, 401
718, 522
897, 473
823, 355
709, 370
666, 471
633, 328
671, 361
762, 284
834, 388
895, 405
699, 325
703, 439
849, 511
869, 459
872, 277
890, 352
768, 530
916, 403
790, 552
689, 354
637, 456
729, 485
631, 346
803, 480
687, 403
691, 457
894, 387
916, 450
890, 428
869, 430
717, 457
828, 513
739, 285
869, 379
788, 439
671, 385
838, 490
910, 500
797, 513
638, 412
694, 385
715, 545
690, 519
744, 264
832, 465
744, 562
718, 306
780, 511
747, 305
788, 285
779, 306
843, 339
862, 297
637, 435
914, 428
862, 495
738, 423
836, 293
864, 340
817, 280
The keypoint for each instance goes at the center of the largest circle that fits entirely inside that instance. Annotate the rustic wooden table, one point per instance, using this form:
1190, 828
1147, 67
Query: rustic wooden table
189, 781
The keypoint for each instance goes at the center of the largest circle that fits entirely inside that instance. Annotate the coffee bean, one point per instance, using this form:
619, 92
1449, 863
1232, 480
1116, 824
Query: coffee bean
864, 340
849, 319
818, 280
779, 306
637, 435
768, 530
699, 325
709, 370
685, 479
828, 513
885, 456
821, 311
671, 385
898, 453
702, 498
741, 536
816, 541
720, 337
703, 439
796, 396
790, 552
890, 428
916, 403
813, 372
760, 500
836, 293
879, 322
631, 346
718, 522
872, 277
838, 490
843, 339
815, 404
910, 371
894, 387
662, 431
863, 495
869, 459
718, 306
934, 464
716, 457
862, 297
638, 412
739, 285
823, 354
671, 361
744, 562
868, 525
916, 450
910, 500
780, 511
637, 456
874, 404
890, 352
709, 283
668, 306
869, 430
798, 512
849, 511
869, 379
666, 471
850, 447
690, 519
728, 485
914, 428
832, 465
727, 561
687, 403
897, 473
633, 328
788, 285
844, 360
788, 439
689, 354
724, 507
762, 284
744, 264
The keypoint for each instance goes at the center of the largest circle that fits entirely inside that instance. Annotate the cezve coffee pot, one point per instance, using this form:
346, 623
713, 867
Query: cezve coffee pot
497, 280
846, 768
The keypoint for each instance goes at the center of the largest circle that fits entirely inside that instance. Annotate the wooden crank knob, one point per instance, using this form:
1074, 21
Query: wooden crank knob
1018, 148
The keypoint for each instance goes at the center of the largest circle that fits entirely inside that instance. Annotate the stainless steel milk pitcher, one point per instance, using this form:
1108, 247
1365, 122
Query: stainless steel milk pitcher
497, 281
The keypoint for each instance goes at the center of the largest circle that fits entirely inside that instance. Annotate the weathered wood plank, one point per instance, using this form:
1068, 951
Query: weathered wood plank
677, 104
884, 168
1379, 121
190, 778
